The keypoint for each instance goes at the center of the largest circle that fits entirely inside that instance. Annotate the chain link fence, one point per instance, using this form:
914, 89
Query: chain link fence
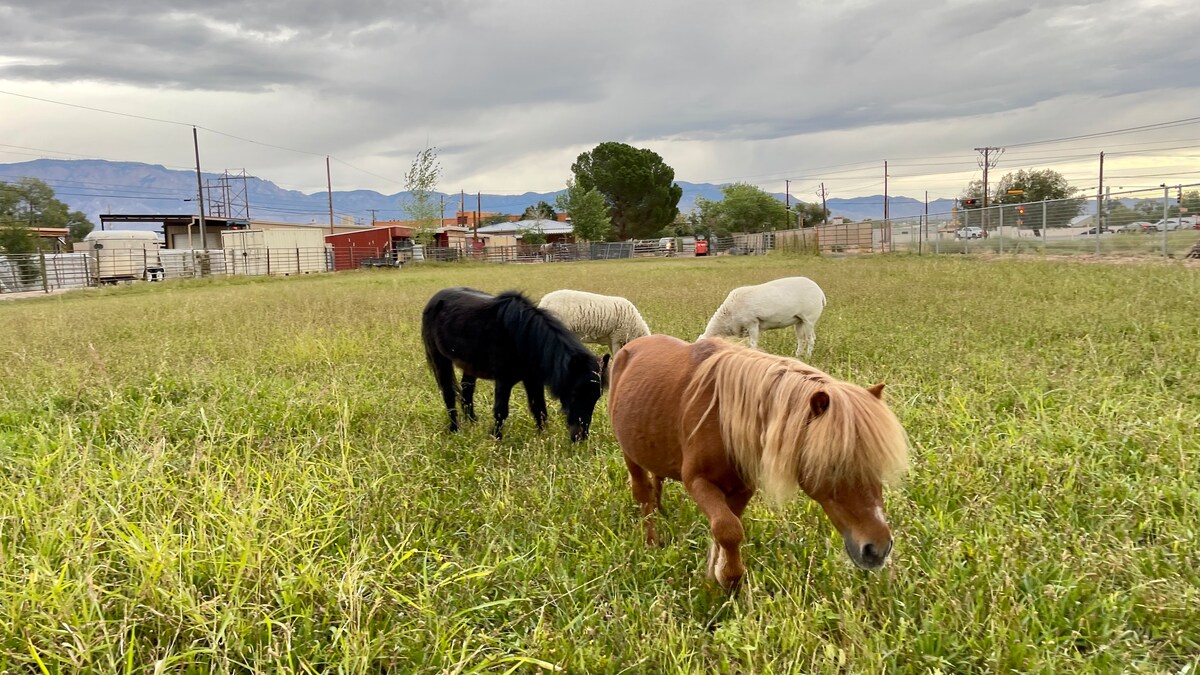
1127, 223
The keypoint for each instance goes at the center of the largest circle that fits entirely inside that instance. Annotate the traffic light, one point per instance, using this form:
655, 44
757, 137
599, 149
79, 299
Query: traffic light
970, 202
1021, 210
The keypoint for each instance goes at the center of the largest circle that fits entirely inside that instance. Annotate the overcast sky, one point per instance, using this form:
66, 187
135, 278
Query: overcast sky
510, 92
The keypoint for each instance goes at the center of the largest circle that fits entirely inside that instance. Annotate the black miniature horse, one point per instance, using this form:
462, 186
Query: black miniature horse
506, 338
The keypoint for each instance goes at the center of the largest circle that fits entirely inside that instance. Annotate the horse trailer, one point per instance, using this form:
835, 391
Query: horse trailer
122, 255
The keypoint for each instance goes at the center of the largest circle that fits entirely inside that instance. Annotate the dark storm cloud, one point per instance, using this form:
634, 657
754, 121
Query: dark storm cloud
490, 81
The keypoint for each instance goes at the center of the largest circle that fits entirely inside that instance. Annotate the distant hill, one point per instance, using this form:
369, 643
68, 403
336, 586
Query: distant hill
100, 186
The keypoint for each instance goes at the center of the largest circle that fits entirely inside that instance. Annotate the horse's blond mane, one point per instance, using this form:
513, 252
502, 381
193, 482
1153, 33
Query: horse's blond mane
768, 428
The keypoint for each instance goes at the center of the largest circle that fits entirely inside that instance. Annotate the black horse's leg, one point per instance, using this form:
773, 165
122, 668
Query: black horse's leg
443, 372
500, 408
468, 396
535, 392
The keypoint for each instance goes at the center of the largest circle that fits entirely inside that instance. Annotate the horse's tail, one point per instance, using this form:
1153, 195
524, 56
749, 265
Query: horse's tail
440, 364
428, 316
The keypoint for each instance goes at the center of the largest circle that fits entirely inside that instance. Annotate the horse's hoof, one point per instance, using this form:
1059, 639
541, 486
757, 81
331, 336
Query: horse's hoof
731, 584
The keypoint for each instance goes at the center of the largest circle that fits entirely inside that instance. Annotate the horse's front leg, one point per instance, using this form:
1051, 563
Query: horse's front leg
500, 408
468, 396
535, 393
724, 514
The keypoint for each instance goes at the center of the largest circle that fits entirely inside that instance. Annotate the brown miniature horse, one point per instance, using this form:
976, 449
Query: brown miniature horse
725, 420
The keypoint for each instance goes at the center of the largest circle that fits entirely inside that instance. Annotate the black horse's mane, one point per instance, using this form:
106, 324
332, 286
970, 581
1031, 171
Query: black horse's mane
542, 338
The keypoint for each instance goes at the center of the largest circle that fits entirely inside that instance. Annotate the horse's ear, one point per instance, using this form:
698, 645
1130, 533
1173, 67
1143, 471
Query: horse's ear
876, 391
819, 403
604, 370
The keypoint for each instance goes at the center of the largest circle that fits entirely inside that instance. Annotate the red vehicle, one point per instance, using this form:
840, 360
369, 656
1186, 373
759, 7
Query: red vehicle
701, 246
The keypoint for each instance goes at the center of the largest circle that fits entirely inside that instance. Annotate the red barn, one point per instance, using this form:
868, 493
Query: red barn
370, 246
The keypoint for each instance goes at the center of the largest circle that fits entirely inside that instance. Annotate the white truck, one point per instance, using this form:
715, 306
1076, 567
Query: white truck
122, 255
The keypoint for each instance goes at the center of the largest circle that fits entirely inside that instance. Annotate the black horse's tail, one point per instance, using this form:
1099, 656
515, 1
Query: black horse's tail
440, 364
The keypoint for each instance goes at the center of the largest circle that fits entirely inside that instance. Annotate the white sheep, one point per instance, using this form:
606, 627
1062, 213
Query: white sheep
791, 301
598, 319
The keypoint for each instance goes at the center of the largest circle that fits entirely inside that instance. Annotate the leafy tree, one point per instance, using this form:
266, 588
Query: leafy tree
685, 225
1189, 200
533, 236
494, 219
30, 203
539, 211
588, 211
78, 226
638, 187
420, 182
808, 215
744, 208
1036, 186
1119, 215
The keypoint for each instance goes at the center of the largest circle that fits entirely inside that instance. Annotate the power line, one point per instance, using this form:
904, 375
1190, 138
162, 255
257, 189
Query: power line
1116, 132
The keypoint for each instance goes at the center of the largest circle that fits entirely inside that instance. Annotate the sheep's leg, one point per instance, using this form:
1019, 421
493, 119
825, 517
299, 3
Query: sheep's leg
806, 338
752, 331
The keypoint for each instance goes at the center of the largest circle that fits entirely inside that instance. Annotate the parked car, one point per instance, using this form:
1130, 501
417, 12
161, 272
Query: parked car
968, 233
1138, 226
1176, 223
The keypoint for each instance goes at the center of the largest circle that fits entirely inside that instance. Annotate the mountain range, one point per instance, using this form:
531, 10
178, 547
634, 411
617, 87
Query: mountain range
96, 186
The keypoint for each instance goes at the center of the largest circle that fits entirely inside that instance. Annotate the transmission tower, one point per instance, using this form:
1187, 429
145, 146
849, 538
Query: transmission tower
228, 196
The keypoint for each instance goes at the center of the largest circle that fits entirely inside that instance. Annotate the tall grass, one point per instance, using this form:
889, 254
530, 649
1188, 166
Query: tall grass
253, 475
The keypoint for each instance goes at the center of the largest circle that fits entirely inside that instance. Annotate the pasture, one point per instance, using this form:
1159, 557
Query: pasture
246, 475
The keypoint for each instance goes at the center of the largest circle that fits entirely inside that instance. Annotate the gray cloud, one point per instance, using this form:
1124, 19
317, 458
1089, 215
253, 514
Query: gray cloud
491, 83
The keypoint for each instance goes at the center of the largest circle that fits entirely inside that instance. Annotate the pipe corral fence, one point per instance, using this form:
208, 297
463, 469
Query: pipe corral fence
1006, 229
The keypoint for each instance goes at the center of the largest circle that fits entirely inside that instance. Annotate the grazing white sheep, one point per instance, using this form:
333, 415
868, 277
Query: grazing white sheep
791, 301
598, 319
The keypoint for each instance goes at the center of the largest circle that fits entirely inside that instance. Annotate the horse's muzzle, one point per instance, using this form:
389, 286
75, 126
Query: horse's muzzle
867, 556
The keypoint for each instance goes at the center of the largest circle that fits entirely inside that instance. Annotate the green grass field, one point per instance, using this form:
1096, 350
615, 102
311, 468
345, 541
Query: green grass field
253, 475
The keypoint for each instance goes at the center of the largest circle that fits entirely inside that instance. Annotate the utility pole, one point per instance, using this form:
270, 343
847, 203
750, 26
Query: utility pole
923, 231
372, 216
787, 201
824, 211
200, 188
887, 223
329, 187
991, 155
1166, 212
1099, 203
